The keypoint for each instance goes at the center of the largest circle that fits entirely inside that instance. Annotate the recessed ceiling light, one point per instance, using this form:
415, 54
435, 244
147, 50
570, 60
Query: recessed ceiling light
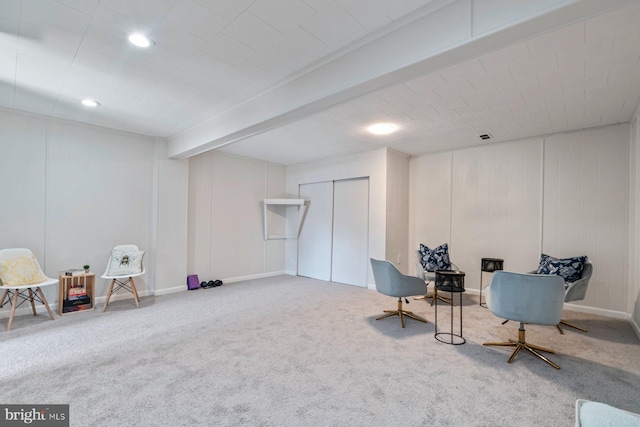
90, 103
139, 40
382, 128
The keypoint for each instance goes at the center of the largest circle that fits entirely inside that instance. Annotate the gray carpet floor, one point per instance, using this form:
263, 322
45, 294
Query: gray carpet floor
290, 351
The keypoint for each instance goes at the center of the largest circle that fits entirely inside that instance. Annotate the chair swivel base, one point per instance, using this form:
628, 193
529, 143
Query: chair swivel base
571, 325
433, 296
401, 313
522, 344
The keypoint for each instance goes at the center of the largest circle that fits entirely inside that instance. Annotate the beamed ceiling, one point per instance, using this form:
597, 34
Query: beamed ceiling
290, 81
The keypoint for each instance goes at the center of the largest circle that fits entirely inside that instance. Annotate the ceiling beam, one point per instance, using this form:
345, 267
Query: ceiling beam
442, 33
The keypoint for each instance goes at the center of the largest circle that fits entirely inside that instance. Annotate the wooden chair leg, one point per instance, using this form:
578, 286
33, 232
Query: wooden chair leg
135, 292
106, 303
33, 306
14, 304
45, 302
4, 296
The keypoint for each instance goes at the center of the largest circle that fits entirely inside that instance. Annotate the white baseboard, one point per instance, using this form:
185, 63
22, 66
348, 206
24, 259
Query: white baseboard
121, 296
598, 311
254, 276
635, 326
168, 291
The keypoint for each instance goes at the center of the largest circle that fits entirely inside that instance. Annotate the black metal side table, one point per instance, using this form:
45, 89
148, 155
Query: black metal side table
450, 281
489, 265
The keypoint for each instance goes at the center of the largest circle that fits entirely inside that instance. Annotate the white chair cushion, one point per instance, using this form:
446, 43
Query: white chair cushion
123, 263
21, 271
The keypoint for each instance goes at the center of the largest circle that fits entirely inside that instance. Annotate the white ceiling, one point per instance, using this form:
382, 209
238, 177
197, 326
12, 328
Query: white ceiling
215, 59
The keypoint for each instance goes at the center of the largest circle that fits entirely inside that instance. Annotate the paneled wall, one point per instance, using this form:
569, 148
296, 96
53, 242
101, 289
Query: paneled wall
633, 303
397, 240
71, 192
225, 217
495, 207
586, 193
98, 195
430, 202
566, 195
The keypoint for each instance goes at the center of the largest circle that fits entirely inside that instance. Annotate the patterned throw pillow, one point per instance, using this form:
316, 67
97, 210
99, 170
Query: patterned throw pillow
124, 263
435, 259
21, 271
569, 269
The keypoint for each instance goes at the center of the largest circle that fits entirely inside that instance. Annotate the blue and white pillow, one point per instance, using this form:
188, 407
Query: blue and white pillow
569, 269
435, 259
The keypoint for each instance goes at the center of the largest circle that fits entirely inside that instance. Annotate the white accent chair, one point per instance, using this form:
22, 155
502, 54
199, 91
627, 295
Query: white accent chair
527, 298
28, 292
389, 281
125, 282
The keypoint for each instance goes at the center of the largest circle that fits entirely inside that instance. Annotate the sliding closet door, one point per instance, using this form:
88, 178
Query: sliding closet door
314, 242
350, 253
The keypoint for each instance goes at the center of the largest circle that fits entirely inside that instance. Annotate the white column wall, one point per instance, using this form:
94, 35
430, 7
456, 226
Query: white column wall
633, 303
398, 212
566, 194
171, 232
226, 238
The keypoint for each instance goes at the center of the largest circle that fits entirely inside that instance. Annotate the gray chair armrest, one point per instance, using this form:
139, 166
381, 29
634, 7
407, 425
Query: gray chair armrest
390, 281
420, 272
578, 290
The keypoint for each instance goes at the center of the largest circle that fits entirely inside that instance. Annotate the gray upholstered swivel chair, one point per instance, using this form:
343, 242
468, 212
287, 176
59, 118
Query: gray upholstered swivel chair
526, 298
576, 292
389, 281
430, 277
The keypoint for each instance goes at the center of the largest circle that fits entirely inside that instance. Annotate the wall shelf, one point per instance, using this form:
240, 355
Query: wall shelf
286, 203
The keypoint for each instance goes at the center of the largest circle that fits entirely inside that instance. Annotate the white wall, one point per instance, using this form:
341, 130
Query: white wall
372, 164
225, 225
430, 201
71, 192
397, 240
566, 195
633, 303
171, 232
586, 181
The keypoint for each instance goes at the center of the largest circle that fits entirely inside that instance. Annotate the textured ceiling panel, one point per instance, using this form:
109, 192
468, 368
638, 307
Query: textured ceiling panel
211, 56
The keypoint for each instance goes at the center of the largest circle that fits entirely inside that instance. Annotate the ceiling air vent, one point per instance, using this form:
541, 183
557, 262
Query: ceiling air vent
485, 136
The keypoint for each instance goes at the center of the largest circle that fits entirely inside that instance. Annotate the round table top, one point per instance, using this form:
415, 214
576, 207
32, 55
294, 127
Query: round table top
450, 272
